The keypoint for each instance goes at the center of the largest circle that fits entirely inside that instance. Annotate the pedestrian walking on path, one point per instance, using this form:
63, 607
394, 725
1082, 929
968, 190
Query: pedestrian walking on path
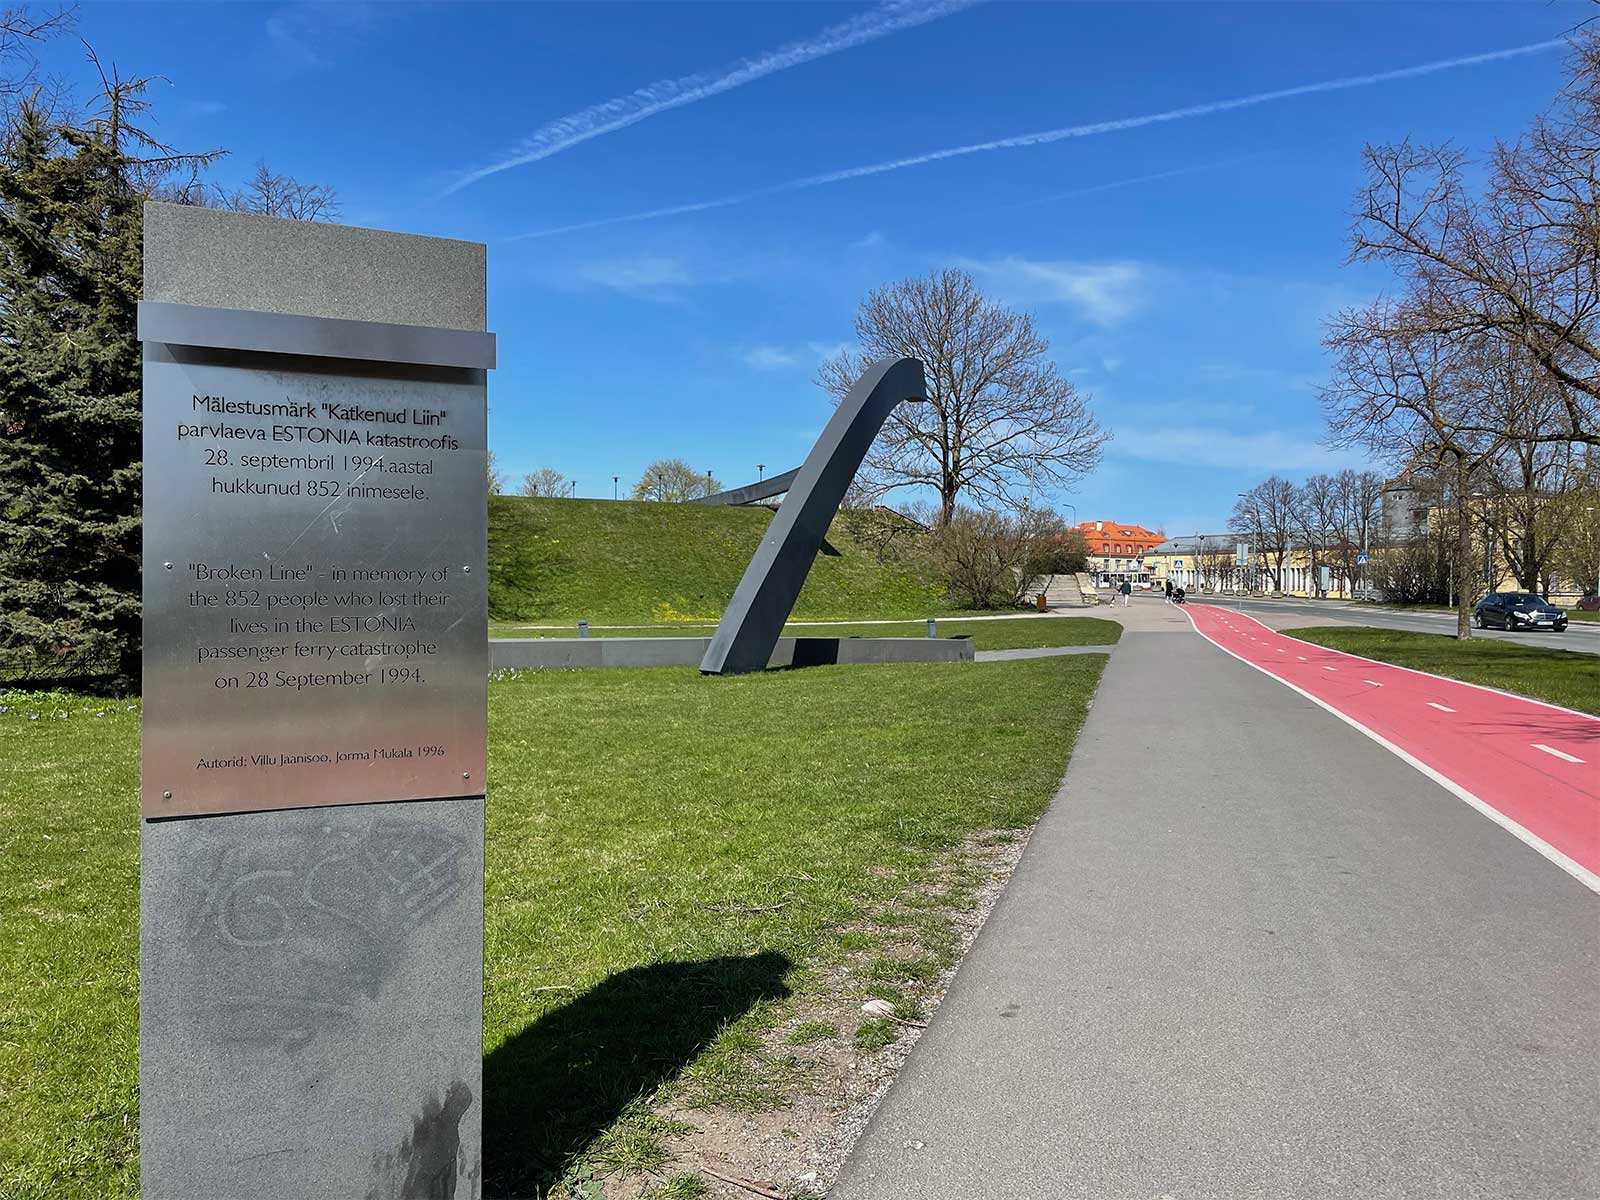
1169, 591
1127, 590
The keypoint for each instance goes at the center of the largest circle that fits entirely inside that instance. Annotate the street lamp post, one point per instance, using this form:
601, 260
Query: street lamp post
614, 479
1589, 508
1249, 564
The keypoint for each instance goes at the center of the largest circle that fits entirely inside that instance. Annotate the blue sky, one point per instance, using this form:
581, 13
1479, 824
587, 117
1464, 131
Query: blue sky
1181, 268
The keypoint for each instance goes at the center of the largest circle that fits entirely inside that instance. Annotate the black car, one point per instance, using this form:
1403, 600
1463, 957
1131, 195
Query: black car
1518, 610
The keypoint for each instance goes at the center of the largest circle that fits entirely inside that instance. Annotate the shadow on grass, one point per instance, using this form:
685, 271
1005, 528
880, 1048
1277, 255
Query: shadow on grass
553, 1088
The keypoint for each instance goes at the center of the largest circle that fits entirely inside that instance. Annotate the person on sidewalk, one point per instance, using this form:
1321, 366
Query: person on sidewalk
1169, 591
1127, 590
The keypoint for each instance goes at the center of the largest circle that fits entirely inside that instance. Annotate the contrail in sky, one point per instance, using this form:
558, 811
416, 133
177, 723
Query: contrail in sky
565, 132
1047, 136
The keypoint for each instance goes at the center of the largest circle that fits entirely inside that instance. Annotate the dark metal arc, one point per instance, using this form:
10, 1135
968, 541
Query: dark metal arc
766, 594
773, 485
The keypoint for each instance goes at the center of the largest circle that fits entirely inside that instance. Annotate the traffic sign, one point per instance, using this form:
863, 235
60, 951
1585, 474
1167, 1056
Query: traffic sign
1361, 559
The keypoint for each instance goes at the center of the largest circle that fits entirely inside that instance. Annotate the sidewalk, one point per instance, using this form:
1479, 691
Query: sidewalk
1250, 953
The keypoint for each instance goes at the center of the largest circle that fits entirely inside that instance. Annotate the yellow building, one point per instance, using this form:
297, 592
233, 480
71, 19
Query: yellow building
1210, 562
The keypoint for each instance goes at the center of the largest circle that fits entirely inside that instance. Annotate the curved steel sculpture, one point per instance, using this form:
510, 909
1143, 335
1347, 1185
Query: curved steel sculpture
765, 597
750, 493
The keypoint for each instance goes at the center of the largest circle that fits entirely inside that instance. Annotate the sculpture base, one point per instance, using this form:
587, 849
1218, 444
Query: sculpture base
557, 654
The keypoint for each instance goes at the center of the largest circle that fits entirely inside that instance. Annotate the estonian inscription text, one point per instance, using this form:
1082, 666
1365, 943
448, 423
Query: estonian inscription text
315, 599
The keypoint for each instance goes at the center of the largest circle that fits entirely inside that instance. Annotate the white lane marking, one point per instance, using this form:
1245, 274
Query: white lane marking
1568, 864
1281, 650
1561, 754
1373, 682
1482, 687
1330, 668
1301, 657
1440, 707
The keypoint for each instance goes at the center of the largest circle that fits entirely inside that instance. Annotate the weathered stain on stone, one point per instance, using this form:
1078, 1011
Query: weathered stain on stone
427, 1165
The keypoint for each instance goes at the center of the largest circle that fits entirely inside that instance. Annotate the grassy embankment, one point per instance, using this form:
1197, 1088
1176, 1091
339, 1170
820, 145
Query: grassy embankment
608, 561
679, 869
1561, 677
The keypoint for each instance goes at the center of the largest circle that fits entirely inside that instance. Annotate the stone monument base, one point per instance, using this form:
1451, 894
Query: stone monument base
556, 654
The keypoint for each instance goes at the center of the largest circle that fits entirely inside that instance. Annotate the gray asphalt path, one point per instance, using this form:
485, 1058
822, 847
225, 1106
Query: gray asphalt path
1581, 636
1250, 953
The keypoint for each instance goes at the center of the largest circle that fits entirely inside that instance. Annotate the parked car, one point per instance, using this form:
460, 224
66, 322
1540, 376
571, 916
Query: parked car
1518, 610
1590, 602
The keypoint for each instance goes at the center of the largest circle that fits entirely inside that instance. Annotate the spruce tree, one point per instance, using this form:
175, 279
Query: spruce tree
70, 469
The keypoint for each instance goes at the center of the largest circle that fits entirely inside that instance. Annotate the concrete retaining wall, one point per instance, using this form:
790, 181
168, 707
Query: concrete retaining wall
560, 654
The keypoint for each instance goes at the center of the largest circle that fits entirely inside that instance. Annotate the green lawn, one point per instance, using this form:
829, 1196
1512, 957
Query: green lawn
674, 864
985, 635
625, 561
1557, 676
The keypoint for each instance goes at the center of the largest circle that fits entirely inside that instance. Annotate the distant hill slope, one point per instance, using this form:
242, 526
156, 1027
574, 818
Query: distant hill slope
607, 560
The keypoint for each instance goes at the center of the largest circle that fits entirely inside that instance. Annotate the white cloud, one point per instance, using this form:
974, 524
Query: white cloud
1277, 377
1049, 136
768, 358
621, 111
827, 350
305, 35
649, 276
779, 358
1265, 451
1105, 293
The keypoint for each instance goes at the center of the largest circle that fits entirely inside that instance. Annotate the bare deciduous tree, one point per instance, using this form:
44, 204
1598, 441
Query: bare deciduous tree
1213, 562
273, 195
547, 482
1000, 420
1358, 503
1521, 515
22, 28
1266, 515
674, 481
1519, 263
1315, 508
1409, 393
1578, 555
991, 559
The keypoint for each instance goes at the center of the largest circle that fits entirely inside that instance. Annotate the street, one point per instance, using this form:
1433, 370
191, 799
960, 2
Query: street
1581, 636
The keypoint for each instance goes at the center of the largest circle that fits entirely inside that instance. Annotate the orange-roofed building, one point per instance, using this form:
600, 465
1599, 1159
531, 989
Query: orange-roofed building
1116, 551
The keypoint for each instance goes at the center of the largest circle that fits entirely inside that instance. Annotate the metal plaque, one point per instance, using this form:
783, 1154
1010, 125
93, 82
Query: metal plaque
315, 544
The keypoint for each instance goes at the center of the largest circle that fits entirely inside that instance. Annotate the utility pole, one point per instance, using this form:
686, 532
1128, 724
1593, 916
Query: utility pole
761, 472
1590, 509
1361, 567
614, 479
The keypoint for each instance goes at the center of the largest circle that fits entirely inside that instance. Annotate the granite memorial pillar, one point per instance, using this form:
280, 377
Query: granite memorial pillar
311, 861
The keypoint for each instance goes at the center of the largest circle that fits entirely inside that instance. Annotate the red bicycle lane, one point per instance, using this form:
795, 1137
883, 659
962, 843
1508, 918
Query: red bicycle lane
1533, 768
